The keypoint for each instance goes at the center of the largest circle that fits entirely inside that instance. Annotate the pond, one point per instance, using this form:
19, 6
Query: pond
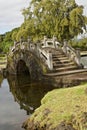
19, 97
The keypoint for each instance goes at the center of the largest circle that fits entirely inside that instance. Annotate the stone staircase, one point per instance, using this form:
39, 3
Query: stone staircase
62, 65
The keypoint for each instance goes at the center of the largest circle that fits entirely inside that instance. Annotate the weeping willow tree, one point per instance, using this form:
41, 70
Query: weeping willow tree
62, 18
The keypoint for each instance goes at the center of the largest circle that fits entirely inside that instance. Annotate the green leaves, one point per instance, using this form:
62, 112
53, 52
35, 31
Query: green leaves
62, 18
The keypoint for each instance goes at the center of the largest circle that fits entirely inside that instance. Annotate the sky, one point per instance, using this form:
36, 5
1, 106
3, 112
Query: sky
84, 3
11, 16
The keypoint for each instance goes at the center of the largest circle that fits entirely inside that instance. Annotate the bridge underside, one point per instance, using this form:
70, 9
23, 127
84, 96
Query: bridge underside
22, 68
22, 62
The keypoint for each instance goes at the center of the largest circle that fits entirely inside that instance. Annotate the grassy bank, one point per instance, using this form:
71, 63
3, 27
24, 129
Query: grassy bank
61, 108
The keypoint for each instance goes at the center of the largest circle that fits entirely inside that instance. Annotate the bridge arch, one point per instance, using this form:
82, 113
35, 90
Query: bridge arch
22, 68
21, 61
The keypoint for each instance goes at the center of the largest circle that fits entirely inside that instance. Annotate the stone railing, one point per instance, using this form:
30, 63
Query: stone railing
52, 43
38, 49
46, 56
73, 54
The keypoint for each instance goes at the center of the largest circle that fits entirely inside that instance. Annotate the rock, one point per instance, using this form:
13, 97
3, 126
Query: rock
64, 126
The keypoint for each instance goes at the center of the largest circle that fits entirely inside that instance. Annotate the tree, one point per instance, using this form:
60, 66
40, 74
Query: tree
62, 18
14, 34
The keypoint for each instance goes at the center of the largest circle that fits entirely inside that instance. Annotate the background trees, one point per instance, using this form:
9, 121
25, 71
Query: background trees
62, 18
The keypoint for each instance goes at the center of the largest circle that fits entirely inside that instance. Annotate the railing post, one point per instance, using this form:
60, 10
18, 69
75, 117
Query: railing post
45, 38
54, 41
29, 41
14, 43
77, 58
10, 48
65, 47
21, 40
50, 63
38, 50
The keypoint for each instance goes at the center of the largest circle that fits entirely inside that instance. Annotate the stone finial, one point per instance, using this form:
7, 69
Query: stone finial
45, 38
29, 39
54, 38
21, 39
15, 43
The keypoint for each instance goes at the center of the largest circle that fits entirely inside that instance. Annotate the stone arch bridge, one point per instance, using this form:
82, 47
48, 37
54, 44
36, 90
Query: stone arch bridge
49, 58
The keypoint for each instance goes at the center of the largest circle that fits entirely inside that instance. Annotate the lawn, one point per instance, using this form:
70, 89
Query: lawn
68, 105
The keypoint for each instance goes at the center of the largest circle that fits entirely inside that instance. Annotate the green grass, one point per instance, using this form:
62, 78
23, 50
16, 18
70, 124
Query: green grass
61, 104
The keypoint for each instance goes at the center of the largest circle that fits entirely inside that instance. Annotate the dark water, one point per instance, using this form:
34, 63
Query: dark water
19, 97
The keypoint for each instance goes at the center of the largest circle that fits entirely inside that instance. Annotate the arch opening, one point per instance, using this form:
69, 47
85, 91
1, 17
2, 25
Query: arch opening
22, 68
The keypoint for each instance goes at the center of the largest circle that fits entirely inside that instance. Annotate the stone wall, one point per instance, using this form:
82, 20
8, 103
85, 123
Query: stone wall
31, 61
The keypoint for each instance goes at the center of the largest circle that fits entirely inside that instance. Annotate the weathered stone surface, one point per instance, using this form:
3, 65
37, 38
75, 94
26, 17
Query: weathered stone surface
24, 59
30, 60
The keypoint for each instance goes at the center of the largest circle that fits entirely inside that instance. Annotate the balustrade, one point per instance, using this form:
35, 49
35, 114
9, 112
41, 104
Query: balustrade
73, 54
46, 56
39, 49
52, 43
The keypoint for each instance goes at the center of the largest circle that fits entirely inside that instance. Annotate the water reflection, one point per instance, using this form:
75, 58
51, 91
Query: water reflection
27, 94
1, 79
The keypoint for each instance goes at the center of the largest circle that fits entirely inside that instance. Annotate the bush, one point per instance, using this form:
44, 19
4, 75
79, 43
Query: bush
82, 43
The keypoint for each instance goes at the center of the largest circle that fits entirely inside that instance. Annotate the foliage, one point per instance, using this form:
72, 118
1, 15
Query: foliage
6, 40
81, 43
48, 18
6, 46
1, 37
14, 34
63, 19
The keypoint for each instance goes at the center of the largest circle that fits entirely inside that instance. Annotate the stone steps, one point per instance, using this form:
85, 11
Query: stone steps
61, 61
62, 65
58, 55
65, 68
65, 73
60, 58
